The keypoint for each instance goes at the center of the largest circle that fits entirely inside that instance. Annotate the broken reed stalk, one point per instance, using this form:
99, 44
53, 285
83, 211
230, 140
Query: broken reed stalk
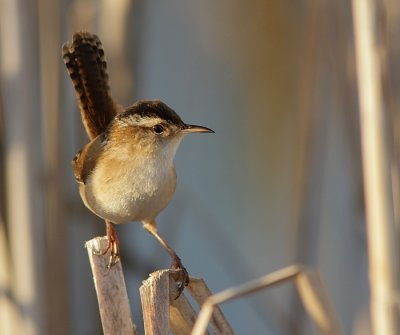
111, 291
308, 283
162, 312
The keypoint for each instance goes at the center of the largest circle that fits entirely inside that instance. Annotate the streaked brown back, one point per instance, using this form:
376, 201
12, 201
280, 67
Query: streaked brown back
87, 67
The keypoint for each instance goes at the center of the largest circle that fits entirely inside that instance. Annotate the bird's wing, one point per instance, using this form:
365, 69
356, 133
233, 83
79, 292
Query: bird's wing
85, 160
87, 67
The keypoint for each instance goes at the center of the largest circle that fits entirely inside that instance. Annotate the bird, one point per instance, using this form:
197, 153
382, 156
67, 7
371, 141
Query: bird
126, 172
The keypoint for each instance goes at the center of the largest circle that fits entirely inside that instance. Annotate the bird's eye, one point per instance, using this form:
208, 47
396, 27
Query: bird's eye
158, 129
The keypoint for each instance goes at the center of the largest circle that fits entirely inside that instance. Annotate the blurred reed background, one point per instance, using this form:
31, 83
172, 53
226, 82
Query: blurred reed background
280, 182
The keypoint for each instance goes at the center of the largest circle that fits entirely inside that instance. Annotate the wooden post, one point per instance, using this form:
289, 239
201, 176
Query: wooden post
111, 291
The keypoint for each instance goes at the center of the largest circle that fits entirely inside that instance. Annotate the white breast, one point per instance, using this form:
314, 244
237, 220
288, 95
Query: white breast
127, 189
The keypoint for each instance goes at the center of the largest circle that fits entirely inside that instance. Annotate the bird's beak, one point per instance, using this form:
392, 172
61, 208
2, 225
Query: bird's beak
189, 128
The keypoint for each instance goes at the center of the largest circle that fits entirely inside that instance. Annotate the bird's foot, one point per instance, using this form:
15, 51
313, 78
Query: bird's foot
114, 257
183, 279
113, 244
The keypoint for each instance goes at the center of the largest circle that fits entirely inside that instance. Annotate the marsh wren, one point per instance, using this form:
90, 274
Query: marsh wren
126, 172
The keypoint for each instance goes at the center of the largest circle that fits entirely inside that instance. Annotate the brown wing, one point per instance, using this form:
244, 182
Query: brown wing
85, 160
87, 67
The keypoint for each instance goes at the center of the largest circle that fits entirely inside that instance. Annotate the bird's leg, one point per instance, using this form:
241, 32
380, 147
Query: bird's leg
113, 244
176, 261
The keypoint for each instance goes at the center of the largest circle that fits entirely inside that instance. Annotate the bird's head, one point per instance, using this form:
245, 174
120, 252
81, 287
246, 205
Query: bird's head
150, 127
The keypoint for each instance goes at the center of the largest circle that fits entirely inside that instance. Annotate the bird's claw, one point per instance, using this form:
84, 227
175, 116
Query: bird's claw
113, 244
183, 279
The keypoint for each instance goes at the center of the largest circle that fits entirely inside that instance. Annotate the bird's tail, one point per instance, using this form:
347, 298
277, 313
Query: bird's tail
87, 67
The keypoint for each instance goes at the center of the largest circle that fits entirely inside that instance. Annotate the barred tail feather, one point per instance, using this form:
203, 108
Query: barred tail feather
87, 67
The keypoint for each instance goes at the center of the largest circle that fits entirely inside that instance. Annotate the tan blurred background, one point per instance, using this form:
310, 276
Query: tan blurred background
278, 183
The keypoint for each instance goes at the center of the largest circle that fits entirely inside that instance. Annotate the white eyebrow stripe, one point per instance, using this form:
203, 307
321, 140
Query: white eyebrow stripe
137, 120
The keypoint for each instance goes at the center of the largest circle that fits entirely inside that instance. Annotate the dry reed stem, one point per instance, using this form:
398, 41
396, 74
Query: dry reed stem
307, 282
111, 291
381, 230
162, 312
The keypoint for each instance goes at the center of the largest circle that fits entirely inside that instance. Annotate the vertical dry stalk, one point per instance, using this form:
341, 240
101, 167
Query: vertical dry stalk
111, 291
376, 166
